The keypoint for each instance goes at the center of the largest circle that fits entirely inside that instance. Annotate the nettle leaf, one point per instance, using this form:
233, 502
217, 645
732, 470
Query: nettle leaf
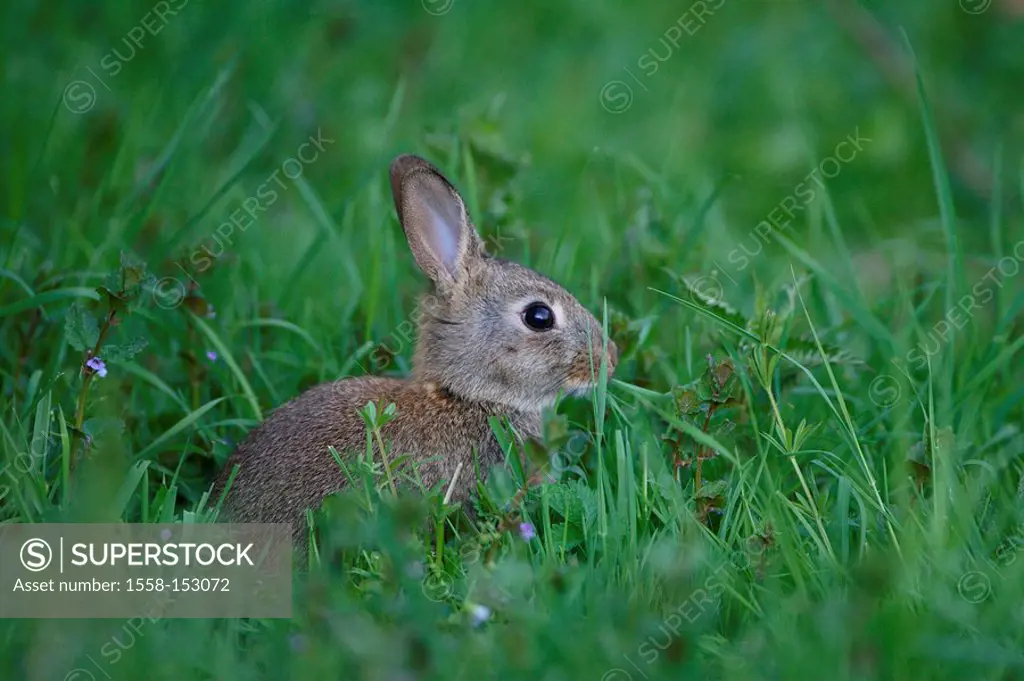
687, 401
110, 289
705, 392
566, 537
81, 328
536, 453
575, 502
805, 351
564, 502
713, 490
122, 287
125, 352
556, 429
722, 372
588, 497
132, 271
111, 283
112, 299
790, 292
706, 296
717, 384
727, 385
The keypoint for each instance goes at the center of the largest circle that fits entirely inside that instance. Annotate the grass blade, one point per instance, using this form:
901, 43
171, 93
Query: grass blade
229, 359
41, 299
178, 427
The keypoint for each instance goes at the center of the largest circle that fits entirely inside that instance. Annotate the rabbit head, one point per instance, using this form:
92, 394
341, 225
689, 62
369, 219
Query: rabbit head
491, 330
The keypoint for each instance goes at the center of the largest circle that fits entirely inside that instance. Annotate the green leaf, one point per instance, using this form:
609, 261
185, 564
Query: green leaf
718, 312
127, 490
567, 504
723, 380
709, 302
112, 299
556, 429
111, 285
704, 389
566, 536
369, 414
41, 435
686, 398
122, 287
587, 497
804, 350
81, 328
575, 502
713, 490
536, 452
123, 353
133, 272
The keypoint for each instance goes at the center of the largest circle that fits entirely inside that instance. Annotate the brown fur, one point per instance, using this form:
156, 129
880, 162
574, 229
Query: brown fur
474, 358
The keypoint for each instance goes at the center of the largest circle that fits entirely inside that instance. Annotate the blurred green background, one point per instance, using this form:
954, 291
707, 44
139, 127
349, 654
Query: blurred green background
618, 148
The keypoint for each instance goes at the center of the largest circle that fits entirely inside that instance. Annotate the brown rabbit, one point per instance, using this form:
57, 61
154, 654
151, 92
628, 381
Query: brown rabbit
495, 339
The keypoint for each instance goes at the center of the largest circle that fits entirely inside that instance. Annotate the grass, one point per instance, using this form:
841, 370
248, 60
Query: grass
808, 463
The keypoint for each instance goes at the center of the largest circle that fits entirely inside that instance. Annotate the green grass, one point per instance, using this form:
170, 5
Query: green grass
857, 510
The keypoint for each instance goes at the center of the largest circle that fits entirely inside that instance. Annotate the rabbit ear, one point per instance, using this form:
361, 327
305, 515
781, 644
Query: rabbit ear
434, 218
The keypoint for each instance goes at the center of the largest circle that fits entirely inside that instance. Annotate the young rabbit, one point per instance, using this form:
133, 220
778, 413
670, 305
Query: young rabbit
495, 339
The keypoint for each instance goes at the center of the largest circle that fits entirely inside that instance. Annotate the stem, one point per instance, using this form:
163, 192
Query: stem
780, 427
509, 520
700, 459
384, 458
87, 380
811, 505
193, 366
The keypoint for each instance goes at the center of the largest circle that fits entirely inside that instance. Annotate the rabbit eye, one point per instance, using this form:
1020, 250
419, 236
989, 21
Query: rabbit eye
538, 317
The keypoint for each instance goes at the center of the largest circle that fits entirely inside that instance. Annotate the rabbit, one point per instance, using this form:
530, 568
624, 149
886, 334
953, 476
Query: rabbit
494, 339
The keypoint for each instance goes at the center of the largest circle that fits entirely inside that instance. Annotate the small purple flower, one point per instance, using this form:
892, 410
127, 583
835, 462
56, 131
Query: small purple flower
165, 534
297, 642
97, 365
211, 355
479, 614
527, 531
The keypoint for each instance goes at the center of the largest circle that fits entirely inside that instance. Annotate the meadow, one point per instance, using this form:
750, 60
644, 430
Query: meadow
799, 221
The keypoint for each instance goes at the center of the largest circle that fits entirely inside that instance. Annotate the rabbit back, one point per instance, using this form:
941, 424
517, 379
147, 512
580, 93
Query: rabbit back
285, 465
